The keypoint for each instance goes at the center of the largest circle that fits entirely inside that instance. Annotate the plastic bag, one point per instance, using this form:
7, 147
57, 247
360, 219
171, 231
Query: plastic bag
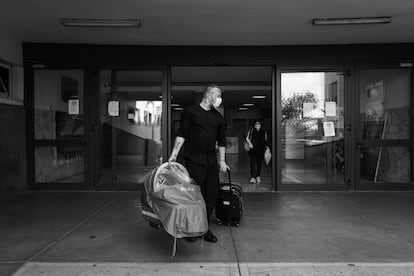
267, 156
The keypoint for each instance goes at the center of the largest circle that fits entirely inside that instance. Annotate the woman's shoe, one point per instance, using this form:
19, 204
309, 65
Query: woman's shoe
258, 179
253, 180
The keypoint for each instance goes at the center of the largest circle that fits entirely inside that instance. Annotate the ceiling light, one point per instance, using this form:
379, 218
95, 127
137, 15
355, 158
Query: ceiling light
243, 108
348, 21
248, 104
178, 108
175, 104
76, 22
259, 97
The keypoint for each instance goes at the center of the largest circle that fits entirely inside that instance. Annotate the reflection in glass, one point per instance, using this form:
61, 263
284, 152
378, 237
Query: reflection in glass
59, 164
385, 104
385, 164
54, 92
131, 143
313, 128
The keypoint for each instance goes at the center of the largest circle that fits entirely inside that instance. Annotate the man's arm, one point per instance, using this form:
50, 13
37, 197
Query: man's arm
223, 165
179, 142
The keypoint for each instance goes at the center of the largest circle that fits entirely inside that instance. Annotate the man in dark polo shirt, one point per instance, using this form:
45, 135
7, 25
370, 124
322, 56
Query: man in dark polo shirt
200, 128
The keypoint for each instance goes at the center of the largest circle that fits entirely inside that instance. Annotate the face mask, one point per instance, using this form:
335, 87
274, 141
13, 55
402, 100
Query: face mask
217, 103
257, 127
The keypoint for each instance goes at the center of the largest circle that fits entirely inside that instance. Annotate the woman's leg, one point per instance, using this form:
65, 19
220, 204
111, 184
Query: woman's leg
259, 162
253, 166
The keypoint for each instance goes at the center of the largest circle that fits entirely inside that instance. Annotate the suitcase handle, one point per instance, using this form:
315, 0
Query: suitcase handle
228, 172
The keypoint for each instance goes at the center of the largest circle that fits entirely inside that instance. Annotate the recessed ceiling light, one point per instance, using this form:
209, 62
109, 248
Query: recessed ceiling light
248, 104
78, 22
259, 97
350, 21
243, 108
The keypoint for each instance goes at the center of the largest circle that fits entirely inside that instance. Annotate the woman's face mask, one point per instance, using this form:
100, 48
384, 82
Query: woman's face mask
257, 126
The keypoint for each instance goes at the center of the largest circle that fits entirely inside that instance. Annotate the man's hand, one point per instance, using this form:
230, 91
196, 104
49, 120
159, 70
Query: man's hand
223, 166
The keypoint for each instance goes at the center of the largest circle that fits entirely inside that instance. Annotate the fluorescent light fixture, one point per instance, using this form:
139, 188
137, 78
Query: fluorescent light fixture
350, 21
243, 108
259, 97
175, 104
178, 108
123, 23
248, 104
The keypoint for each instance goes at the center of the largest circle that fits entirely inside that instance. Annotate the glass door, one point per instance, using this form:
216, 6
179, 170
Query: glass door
312, 130
384, 142
57, 125
130, 126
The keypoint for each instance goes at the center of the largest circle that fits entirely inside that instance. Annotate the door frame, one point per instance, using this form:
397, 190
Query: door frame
348, 129
273, 81
358, 66
32, 143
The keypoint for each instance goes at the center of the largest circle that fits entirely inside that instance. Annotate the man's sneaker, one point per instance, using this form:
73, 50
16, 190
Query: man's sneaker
258, 179
210, 237
253, 180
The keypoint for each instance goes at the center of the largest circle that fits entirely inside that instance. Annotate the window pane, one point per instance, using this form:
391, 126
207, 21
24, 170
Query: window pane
54, 92
385, 104
131, 143
313, 128
385, 164
59, 164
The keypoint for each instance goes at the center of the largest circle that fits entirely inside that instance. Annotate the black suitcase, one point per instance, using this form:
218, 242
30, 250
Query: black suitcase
229, 205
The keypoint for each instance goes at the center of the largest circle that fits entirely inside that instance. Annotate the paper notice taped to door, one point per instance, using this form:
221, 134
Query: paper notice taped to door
330, 109
307, 110
113, 108
73, 107
329, 129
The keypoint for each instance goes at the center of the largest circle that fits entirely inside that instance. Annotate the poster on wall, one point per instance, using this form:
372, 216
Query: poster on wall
374, 110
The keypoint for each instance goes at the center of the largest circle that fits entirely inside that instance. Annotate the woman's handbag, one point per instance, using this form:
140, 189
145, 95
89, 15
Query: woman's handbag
247, 144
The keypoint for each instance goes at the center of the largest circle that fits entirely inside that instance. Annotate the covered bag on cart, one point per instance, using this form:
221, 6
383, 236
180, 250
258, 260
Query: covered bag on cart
176, 200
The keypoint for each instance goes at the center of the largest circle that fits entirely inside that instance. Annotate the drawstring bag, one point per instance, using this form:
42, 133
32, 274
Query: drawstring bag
267, 154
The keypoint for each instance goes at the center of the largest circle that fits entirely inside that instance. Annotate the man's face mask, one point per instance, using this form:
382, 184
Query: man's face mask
217, 102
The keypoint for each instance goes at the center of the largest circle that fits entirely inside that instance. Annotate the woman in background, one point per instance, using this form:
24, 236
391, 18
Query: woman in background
257, 138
